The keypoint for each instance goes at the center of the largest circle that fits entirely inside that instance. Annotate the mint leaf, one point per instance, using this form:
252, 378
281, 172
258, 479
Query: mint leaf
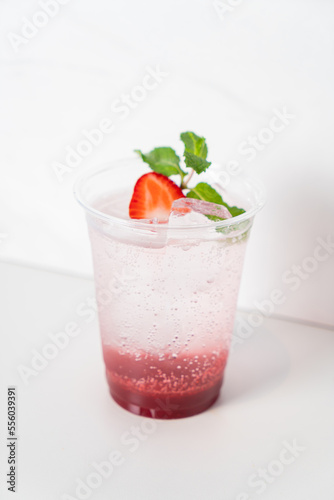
204, 191
195, 162
163, 161
194, 144
234, 211
195, 152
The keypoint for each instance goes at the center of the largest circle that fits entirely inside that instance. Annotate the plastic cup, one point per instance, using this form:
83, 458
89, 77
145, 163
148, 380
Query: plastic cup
166, 294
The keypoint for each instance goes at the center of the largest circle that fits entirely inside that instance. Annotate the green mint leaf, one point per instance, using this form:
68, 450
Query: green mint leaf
204, 191
163, 161
194, 144
195, 152
196, 162
234, 211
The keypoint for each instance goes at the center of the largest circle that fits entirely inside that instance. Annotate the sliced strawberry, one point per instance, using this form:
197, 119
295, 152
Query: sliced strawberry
153, 197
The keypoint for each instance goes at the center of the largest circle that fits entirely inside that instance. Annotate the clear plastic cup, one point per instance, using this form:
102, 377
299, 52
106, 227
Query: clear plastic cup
166, 294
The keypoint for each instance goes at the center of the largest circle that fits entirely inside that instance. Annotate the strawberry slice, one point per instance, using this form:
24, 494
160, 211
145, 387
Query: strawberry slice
153, 197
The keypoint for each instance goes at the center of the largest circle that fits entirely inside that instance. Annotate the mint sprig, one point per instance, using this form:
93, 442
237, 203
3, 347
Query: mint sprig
165, 161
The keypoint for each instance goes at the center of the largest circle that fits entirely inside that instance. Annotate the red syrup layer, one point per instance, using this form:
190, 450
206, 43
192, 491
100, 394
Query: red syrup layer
169, 386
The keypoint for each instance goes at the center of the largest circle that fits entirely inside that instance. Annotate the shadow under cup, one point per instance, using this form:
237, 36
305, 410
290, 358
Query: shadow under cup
166, 295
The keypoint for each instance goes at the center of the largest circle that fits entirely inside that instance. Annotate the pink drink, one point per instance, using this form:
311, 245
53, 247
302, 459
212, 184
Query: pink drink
167, 298
166, 316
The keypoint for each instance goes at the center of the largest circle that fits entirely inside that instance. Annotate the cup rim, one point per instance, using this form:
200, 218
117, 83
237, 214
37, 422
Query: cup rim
137, 224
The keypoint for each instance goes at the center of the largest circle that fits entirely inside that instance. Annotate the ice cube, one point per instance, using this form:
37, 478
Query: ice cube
182, 218
186, 206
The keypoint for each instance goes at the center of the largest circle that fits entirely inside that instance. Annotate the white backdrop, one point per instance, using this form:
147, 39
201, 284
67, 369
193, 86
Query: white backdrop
226, 68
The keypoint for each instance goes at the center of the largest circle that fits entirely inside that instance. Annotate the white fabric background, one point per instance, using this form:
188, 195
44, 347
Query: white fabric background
225, 77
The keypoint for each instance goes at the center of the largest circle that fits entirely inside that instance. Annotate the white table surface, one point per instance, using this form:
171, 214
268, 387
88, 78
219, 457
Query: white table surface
278, 389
